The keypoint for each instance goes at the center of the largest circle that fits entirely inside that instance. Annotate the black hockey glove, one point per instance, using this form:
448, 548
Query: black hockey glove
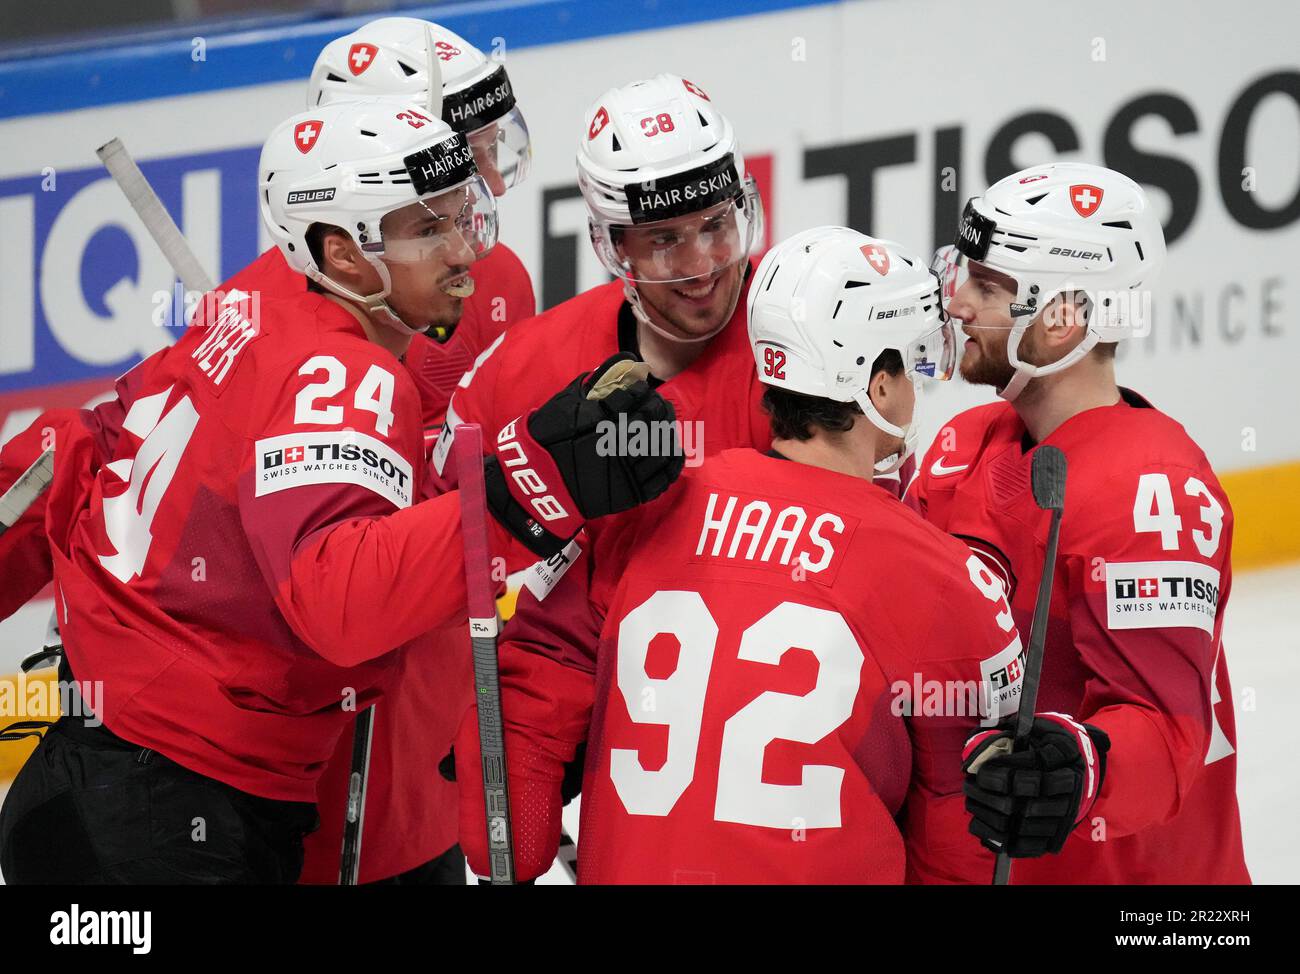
1026, 803
567, 461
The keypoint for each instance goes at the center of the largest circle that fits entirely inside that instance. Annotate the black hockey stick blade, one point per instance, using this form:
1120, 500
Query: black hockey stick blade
1047, 477
354, 818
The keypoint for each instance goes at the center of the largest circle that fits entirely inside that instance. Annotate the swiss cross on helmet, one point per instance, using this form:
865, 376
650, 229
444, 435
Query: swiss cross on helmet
654, 151
389, 58
827, 302
1065, 228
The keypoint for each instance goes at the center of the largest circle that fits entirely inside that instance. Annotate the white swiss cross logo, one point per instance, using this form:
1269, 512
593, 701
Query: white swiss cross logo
877, 258
360, 57
305, 134
1085, 199
1148, 588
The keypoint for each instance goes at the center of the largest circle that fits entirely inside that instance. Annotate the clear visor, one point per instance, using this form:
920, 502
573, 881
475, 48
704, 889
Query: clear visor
684, 248
457, 226
951, 266
503, 151
933, 356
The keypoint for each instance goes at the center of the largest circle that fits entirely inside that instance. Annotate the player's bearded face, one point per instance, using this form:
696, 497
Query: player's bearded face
428, 255
983, 306
700, 252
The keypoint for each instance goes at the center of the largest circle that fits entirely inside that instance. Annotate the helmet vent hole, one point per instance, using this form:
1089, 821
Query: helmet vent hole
703, 121
1035, 200
862, 360
1119, 225
835, 313
1141, 256
907, 262
1016, 247
406, 68
836, 344
617, 146
849, 284
329, 167
373, 135
332, 77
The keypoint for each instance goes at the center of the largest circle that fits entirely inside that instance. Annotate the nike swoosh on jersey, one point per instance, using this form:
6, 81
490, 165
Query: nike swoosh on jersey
937, 469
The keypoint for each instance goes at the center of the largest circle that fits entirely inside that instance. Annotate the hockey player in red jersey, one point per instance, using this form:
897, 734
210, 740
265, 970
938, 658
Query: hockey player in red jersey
254, 555
410, 820
680, 258
1054, 268
389, 58
741, 654
673, 216
385, 58
478, 102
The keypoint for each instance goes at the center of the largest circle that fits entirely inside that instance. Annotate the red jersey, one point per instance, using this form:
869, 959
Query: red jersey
410, 809
519, 371
717, 397
1134, 638
254, 549
503, 295
739, 657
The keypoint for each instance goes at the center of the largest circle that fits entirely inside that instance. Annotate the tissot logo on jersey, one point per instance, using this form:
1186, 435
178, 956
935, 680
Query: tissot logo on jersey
1156, 594
335, 457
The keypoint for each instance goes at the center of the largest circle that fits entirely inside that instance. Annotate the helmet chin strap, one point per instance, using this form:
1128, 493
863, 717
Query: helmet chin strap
375, 305
909, 434
638, 311
1025, 371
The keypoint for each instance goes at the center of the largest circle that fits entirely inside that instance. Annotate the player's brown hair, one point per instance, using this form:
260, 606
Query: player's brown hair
795, 415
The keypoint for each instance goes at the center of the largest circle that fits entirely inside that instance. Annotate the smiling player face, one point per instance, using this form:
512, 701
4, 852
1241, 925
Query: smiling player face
690, 269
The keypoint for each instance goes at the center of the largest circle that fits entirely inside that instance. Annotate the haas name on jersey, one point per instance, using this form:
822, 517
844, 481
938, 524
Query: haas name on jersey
757, 530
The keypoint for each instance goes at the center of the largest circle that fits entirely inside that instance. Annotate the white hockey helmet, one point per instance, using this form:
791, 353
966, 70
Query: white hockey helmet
654, 151
389, 58
352, 164
1067, 227
827, 302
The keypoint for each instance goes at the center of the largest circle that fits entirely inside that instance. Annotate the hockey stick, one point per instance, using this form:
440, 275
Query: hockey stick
355, 819
1047, 478
24, 491
130, 180
468, 449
